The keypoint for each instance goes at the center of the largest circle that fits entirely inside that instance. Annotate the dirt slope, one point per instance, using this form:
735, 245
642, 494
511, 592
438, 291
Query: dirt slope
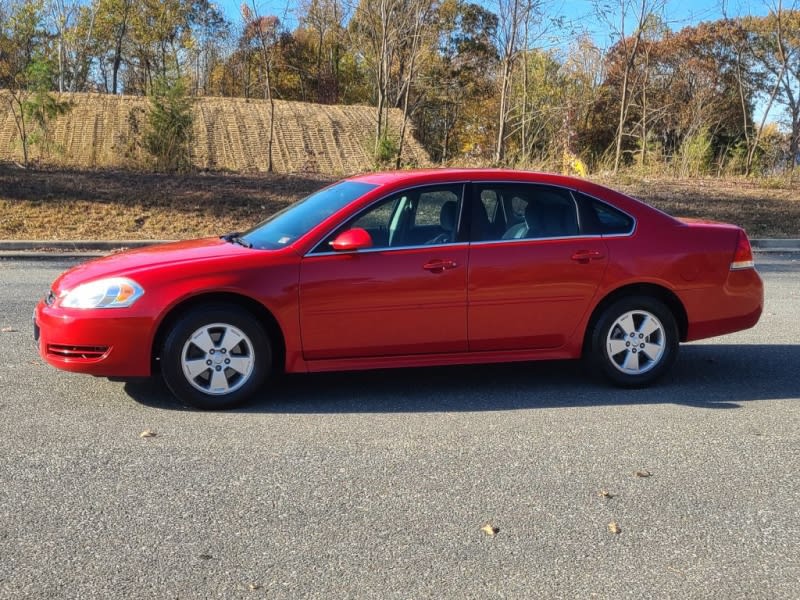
230, 134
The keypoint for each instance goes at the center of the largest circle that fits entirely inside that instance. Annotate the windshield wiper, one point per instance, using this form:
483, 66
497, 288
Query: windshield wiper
236, 238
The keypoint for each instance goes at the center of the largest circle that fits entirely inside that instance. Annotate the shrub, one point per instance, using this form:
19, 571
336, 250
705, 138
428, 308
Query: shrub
695, 155
168, 134
385, 151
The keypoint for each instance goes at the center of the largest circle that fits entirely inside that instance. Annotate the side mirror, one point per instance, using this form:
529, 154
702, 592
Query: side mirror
352, 240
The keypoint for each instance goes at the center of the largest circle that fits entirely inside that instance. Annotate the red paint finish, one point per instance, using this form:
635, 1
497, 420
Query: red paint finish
530, 294
462, 301
384, 303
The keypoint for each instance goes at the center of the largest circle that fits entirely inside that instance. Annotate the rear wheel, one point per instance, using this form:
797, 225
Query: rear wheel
635, 341
216, 357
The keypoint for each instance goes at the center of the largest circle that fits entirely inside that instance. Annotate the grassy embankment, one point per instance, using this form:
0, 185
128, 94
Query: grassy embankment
81, 204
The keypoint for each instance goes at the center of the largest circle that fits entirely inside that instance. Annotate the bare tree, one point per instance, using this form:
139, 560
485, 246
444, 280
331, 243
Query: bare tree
265, 30
512, 14
617, 16
378, 28
776, 55
419, 12
326, 18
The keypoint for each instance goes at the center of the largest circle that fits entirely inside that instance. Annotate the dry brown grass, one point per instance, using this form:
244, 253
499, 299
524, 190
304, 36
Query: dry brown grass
764, 209
230, 134
72, 204
69, 204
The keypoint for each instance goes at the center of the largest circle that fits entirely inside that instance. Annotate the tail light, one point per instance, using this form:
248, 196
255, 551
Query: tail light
743, 257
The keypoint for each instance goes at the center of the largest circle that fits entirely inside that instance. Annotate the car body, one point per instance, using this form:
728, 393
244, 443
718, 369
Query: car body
405, 269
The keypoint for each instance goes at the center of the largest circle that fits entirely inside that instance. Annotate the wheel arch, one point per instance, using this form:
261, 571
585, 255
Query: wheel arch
255, 308
665, 295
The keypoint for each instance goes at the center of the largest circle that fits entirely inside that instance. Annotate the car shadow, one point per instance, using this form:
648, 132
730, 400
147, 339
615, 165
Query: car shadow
710, 376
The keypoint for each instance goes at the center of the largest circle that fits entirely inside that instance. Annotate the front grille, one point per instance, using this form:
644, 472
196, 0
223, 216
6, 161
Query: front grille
77, 352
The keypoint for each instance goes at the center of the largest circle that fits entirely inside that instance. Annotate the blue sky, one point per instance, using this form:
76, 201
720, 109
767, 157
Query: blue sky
677, 13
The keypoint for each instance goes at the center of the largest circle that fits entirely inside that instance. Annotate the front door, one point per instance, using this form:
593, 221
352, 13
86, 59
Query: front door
405, 295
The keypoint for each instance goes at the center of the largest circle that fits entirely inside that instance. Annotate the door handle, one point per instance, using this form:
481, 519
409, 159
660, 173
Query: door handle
438, 266
584, 256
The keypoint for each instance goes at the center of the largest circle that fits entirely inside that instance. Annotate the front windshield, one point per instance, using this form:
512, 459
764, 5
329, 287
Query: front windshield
287, 225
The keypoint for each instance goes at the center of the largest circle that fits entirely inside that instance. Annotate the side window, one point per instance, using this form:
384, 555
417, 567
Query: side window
417, 217
430, 205
490, 203
598, 218
379, 218
530, 211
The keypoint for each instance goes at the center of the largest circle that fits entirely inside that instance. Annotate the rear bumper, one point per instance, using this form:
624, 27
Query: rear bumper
735, 306
96, 342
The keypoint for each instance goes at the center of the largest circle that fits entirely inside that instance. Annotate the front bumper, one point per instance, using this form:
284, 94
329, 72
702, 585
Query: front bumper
105, 343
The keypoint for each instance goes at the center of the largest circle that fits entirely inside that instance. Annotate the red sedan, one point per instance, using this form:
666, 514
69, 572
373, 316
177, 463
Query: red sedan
408, 269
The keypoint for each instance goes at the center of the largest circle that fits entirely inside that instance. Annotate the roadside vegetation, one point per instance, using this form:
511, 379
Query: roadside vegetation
98, 97
503, 82
81, 204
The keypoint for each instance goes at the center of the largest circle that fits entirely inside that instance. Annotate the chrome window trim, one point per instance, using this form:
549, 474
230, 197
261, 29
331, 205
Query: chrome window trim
630, 216
463, 185
389, 249
570, 190
540, 239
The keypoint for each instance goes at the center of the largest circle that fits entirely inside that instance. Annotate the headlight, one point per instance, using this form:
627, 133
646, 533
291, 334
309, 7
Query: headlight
115, 292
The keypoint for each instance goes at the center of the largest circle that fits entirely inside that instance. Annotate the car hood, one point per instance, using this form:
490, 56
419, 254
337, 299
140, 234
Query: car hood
130, 262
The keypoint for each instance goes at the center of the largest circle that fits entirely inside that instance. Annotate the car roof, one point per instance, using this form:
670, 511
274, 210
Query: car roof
434, 175
414, 177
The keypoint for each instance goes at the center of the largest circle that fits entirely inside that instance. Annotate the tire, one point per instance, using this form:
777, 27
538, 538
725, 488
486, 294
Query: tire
216, 357
634, 341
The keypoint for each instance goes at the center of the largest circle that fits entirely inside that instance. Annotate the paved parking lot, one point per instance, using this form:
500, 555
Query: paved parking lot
376, 485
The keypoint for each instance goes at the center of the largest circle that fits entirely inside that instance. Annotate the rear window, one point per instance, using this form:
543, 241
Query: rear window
600, 218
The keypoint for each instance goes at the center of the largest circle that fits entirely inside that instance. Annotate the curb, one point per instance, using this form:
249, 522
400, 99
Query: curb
67, 250
74, 245
75, 249
774, 245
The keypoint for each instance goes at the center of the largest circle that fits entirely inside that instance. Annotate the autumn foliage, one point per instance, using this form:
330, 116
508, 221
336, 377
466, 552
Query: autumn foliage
508, 82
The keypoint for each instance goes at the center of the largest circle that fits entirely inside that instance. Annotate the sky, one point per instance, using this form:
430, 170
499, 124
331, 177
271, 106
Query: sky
677, 13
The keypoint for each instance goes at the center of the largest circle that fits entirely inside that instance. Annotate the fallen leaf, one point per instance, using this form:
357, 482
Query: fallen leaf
205, 557
643, 473
614, 528
9, 330
490, 529
148, 433
605, 494
253, 587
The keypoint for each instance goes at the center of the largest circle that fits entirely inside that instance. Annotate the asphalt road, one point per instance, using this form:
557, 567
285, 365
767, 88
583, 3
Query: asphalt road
377, 485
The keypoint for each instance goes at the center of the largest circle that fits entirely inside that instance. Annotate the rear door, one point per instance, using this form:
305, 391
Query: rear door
532, 272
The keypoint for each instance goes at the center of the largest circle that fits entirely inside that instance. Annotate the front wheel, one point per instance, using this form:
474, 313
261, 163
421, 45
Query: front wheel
216, 357
635, 341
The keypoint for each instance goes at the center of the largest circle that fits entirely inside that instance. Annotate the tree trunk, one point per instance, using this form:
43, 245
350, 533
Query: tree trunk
784, 63
118, 56
382, 74
499, 153
15, 98
623, 111
271, 100
505, 82
418, 22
